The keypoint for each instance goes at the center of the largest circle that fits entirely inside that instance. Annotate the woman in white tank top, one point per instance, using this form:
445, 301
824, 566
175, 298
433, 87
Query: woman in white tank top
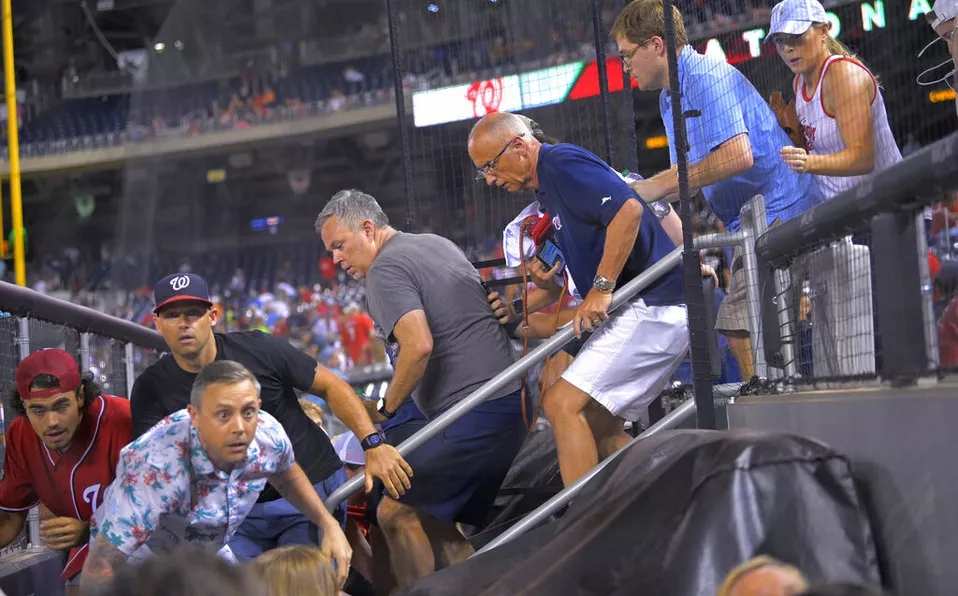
838, 101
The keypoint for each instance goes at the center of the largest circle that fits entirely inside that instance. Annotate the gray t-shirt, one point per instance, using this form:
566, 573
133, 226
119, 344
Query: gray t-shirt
429, 273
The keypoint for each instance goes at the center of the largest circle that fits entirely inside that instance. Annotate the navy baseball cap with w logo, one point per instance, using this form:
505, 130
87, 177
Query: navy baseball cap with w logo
180, 287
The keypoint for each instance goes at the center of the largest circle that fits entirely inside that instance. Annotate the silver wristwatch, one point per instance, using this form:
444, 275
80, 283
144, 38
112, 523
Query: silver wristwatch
603, 284
381, 408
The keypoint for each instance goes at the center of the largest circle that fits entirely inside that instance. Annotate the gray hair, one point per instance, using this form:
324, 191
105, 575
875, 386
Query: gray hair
220, 372
352, 207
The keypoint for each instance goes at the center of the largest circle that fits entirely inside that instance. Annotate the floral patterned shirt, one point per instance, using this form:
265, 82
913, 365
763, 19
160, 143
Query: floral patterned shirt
167, 490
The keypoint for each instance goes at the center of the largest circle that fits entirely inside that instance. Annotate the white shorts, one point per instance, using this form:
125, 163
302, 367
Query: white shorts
630, 358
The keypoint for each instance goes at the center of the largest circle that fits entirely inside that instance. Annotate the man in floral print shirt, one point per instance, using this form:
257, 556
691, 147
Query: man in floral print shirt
195, 475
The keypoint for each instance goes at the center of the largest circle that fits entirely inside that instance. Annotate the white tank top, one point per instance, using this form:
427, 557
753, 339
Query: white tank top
822, 136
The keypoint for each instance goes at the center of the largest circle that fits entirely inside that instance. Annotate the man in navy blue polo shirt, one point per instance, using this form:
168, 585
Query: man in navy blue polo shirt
607, 238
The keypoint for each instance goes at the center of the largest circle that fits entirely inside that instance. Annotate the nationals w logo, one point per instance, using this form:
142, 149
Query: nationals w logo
180, 282
486, 97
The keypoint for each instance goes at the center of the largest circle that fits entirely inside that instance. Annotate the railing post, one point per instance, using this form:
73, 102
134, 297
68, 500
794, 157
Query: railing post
128, 360
85, 361
33, 518
899, 301
927, 291
23, 339
780, 302
754, 224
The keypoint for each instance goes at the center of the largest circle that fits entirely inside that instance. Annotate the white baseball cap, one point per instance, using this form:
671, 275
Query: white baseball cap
794, 17
942, 12
349, 450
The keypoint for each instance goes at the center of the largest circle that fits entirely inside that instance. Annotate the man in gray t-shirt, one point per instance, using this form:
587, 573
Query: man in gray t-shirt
425, 295
429, 273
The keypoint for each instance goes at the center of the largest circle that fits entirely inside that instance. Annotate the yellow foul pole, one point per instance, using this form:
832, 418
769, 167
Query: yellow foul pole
16, 200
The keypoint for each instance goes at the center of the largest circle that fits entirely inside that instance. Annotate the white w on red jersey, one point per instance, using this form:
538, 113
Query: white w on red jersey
822, 136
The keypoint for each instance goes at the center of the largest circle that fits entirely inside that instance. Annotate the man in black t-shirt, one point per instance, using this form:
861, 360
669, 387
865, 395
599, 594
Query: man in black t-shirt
185, 317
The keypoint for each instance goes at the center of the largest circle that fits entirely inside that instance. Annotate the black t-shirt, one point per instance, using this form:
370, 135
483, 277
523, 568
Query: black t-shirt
164, 388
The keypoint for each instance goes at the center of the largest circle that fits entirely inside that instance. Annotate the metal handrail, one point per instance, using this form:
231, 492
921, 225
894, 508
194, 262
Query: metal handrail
674, 418
548, 347
24, 302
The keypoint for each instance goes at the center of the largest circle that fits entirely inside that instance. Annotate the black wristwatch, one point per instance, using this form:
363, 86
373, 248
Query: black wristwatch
372, 441
381, 408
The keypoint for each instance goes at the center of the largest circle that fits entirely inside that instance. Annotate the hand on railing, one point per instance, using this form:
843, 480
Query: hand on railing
707, 271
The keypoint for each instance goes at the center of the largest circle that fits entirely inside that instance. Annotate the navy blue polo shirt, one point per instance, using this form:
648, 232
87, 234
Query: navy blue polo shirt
583, 194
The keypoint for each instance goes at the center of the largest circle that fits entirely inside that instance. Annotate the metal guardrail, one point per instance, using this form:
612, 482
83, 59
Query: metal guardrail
917, 180
24, 302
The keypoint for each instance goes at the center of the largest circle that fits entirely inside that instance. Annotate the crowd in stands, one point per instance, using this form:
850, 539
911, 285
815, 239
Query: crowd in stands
282, 93
298, 294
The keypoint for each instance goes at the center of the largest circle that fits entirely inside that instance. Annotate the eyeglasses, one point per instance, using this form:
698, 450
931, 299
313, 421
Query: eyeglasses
627, 56
490, 165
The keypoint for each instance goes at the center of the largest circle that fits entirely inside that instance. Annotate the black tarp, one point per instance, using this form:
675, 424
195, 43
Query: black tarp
532, 480
679, 510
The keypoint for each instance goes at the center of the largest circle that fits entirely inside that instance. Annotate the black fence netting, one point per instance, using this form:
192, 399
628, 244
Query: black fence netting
550, 61
799, 104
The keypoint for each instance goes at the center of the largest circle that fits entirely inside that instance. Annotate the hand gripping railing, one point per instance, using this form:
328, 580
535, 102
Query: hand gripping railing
497, 383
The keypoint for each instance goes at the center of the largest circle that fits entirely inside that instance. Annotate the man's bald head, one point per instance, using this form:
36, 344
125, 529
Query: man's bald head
499, 126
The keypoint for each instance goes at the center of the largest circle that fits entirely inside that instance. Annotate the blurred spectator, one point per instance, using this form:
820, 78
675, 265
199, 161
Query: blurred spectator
911, 145
356, 330
357, 521
186, 572
763, 576
314, 412
296, 571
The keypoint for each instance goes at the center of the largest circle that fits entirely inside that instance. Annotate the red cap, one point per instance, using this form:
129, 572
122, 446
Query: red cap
53, 362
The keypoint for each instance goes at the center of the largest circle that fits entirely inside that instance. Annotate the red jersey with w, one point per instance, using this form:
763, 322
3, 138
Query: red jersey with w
71, 483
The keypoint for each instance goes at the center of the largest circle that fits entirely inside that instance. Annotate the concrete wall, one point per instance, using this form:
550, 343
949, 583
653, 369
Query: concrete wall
902, 444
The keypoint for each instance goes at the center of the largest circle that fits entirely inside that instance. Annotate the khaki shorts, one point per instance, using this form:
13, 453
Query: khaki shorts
733, 312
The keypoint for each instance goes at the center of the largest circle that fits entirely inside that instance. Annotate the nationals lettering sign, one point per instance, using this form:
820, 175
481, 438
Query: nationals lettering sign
465, 102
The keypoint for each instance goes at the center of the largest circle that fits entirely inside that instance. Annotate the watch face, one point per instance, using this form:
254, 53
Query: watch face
661, 209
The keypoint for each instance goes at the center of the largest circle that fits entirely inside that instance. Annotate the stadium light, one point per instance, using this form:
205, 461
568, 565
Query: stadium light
159, 46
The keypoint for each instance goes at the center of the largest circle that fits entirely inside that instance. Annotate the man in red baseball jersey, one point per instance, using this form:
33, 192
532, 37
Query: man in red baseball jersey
62, 451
